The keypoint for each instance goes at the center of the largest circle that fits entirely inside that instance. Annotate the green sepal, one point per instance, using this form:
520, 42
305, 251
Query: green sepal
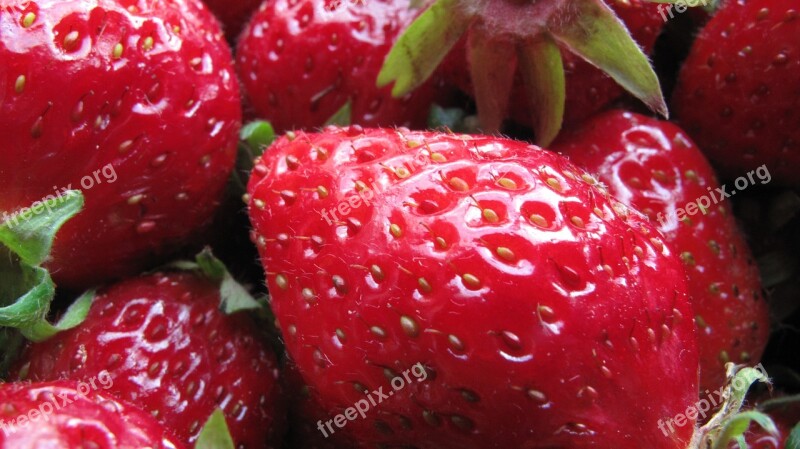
31, 237
215, 433
793, 442
26, 289
730, 423
259, 135
74, 316
597, 35
738, 425
422, 46
342, 117
545, 82
492, 67
233, 296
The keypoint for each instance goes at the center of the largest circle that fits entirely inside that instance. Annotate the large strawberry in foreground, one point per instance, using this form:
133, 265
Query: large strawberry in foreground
484, 286
738, 94
171, 351
655, 168
302, 61
75, 415
134, 103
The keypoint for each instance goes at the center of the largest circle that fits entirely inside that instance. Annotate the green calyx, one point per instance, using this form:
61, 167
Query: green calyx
233, 296
588, 28
26, 289
730, 423
215, 433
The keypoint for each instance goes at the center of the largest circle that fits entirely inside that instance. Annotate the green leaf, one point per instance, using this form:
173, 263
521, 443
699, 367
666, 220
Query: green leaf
422, 46
543, 73
342, 117
793, 442
738, 425
74, 316
234, 297
258, 134
212, 267
29, 233
215, 433
597, 35
492, 67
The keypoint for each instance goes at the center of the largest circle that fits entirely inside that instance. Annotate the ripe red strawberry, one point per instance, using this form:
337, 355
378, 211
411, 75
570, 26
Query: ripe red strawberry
233, 14
171, 351
136, 104
737, 96
531, 309
74, 415
301, 61
653, 166
588, 88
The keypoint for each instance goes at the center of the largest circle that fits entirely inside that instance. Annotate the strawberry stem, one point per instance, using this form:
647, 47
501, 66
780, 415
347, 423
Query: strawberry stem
730, 423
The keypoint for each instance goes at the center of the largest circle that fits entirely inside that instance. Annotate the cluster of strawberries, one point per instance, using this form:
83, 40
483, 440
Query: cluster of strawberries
585, 284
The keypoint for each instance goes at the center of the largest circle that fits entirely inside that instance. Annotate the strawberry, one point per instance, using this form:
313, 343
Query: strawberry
233, 15
75, 415
588, 89
172, 352
653, 166
301, 61
482, 292
737, 96
134, 103
506, 36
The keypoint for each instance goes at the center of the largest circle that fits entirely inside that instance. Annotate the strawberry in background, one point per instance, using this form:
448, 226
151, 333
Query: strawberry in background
65, 415
738, 94
135, 104
543, 312
232, 14
301, 61
655, 168
177, 345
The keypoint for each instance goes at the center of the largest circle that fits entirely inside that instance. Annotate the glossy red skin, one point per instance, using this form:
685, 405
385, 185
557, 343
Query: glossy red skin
588, 89
172, 352
646, 164
233, 14
584, 341
181, 154
87, 418
744, 109
301, 60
